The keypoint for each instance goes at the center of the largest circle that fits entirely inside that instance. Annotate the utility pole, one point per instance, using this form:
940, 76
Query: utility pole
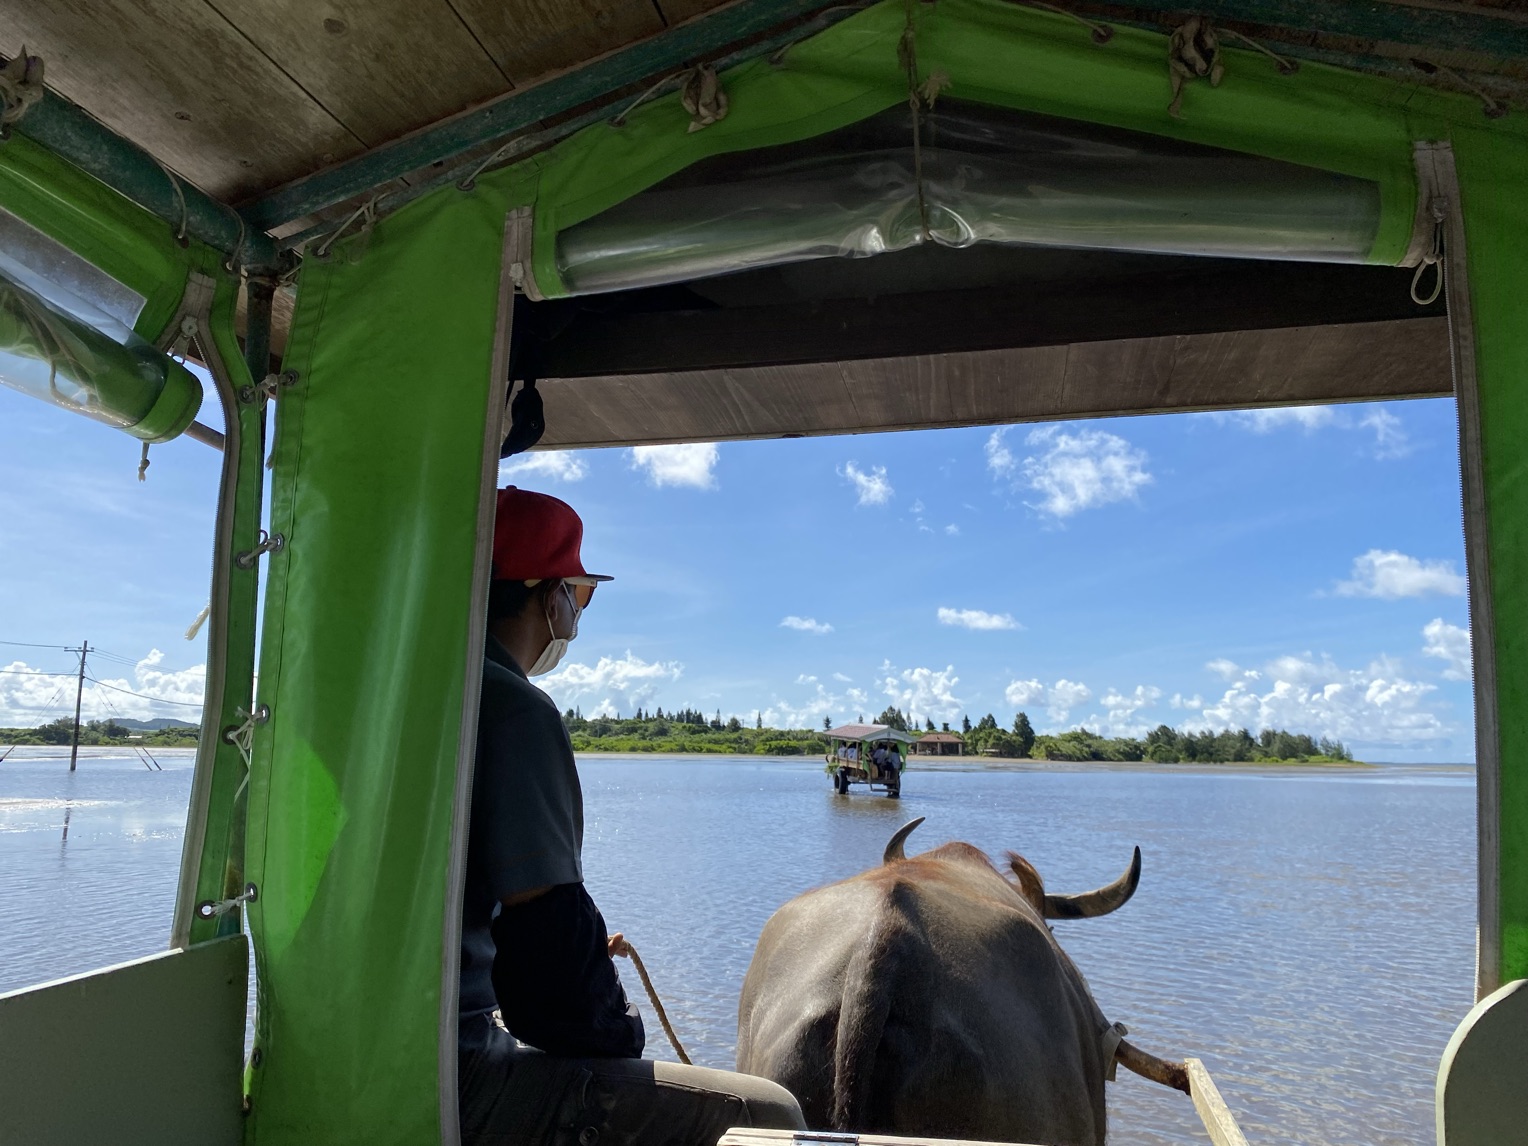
79, 692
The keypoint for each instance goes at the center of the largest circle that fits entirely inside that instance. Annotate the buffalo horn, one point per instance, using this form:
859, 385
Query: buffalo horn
1089, 903
894, 848
1173, 1074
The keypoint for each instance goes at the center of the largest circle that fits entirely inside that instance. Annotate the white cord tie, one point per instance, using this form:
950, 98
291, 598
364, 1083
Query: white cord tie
242, 736
1433, 258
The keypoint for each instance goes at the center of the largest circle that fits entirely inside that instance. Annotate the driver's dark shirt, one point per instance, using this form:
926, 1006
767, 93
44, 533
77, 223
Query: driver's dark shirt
542, 963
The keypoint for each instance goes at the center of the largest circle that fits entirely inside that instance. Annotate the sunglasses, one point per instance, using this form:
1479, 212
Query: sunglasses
582, 589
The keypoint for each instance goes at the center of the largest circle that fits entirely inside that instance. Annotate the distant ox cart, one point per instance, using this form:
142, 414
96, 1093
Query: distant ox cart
870, 754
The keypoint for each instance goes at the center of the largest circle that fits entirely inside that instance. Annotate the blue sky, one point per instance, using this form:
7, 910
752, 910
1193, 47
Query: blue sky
1298, 568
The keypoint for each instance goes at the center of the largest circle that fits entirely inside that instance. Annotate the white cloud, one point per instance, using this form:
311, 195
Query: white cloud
1024, 692
1390, 439
1373, 706
1224, 668
1121, 708
1450, 644
29, 696
1082, 470
976, 619
1058, 699
806, 625
1000, 460
612, 685
871, 488
922, 692
1389, 575
808, 712
559, 465
840, 677
1306, 418
684, 465
952, 529
1180, 701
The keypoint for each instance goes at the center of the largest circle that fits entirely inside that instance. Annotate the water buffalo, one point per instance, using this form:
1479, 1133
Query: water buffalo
928, 997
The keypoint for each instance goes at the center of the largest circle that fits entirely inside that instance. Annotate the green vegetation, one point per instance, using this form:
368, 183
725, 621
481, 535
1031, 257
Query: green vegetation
1164, 745
688, 731
107, 733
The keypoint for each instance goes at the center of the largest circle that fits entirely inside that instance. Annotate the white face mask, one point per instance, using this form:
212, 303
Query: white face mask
557, 647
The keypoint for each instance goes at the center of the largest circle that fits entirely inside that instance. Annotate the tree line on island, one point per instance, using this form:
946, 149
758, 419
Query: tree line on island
107, 733
690, 730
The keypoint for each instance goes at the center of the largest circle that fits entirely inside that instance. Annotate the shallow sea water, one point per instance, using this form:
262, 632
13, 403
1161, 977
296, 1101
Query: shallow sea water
1309, 934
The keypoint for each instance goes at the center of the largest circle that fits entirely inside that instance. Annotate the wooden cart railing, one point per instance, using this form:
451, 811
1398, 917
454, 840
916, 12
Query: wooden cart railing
1213, 1112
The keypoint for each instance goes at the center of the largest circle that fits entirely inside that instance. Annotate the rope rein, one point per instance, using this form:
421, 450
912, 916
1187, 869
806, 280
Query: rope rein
668, 1028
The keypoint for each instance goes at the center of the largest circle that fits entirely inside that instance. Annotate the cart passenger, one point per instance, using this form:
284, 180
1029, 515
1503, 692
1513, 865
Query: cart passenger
536, 960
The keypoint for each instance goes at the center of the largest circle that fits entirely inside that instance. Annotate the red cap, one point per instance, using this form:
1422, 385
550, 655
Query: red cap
536, 537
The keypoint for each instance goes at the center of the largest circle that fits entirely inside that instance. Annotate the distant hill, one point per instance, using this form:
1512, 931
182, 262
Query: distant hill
157, 724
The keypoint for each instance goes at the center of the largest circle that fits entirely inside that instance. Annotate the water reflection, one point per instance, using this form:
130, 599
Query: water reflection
1310, 934
1278, 932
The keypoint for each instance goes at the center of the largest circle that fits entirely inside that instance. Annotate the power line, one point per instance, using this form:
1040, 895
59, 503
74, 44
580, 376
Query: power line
30, 645
143, 695
113, 656
123, 662
33, 672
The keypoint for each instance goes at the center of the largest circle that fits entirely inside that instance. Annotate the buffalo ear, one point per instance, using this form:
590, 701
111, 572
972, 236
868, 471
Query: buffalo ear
1031, 886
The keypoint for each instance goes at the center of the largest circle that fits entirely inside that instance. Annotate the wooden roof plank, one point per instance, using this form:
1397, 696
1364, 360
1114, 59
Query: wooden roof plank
532, 38
381, 70
178, 80
678, 11
695, 40
1402, 358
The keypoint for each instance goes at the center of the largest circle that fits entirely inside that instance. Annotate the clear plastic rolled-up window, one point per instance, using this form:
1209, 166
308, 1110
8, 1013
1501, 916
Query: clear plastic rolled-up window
53, 355
977, 175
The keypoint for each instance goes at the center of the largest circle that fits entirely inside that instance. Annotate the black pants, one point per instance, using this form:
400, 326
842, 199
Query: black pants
511, 1096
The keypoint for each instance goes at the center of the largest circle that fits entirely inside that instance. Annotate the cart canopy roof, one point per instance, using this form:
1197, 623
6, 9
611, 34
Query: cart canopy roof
870, 732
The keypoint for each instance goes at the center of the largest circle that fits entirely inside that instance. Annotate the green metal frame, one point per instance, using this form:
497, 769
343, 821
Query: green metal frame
212, 868
126, 168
